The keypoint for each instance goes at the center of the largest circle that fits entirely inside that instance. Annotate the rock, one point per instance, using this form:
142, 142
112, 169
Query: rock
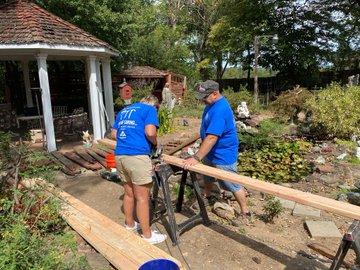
326, 168
342, 197
305, 211
322, 228
286, 203
329, 179
320, 160
327, 149
185, 122
316, 149
357, 153
224, 210
354, 198
341, 157
257, 260
357, 185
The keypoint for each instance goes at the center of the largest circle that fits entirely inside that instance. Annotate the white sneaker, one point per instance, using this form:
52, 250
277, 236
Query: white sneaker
155, 238
133, 229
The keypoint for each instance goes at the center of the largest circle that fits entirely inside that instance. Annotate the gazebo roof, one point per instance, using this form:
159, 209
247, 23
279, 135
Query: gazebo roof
24, 24
143, 72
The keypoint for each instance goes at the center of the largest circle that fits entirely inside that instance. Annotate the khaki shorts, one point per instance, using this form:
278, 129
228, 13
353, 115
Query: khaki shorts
134, 169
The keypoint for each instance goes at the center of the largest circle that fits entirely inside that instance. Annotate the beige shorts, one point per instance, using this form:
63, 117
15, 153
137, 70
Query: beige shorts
134, 169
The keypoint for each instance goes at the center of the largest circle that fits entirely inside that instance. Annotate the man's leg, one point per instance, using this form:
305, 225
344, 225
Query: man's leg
129, 204
142, 193
240, 197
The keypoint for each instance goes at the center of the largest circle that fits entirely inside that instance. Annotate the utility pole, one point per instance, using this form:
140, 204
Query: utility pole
256, 63
256, 84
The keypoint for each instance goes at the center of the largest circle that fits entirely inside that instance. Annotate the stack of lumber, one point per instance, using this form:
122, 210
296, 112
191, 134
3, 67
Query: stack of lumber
80, 157
122, 248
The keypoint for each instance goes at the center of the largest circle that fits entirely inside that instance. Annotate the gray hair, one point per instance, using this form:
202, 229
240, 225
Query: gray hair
151, 100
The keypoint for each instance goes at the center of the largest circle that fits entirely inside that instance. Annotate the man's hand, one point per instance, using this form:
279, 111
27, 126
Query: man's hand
189, 162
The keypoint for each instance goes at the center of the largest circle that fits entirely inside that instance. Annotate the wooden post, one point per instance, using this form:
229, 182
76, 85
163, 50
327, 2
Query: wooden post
25, 68
46, 102
94, 98
109, 101
100, 98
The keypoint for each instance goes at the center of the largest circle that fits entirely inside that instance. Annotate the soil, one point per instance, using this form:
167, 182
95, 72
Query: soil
258, 245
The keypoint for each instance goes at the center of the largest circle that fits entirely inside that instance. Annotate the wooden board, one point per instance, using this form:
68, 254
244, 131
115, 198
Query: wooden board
189, 141
73, 167
100, 152
108, 143
305, 198
74, 157
327, 253
103, 148
101, 160
80, 151
122, 248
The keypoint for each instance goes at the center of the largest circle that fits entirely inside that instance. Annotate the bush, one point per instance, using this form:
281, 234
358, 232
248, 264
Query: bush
235, 98
268, 131
277, 162
335, 111
190, 106
165, 121
290, 103
272, 209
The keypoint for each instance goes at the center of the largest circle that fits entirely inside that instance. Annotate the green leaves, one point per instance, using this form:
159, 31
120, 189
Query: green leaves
278, 162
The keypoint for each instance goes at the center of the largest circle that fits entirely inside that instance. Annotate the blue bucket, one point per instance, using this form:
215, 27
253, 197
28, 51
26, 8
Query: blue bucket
159, 264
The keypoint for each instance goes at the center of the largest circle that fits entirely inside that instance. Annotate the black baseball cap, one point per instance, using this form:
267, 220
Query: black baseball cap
206, 88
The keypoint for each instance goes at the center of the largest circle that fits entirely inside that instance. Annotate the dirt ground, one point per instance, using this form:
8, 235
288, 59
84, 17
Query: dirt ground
259, 245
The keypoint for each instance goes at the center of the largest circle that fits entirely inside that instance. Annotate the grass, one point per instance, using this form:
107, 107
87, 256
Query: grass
189, 111
351, 145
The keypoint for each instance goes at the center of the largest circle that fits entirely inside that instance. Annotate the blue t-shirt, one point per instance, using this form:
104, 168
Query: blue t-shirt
130, 124
218, 119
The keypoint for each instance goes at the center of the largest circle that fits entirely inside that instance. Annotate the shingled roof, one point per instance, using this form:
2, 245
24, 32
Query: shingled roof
143, 72
23, 23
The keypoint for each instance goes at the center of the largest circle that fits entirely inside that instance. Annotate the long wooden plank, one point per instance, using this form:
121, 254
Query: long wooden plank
108, 143
66, 162
328, 253
305, 198
99, 229
80, 151
101, 160
103, 148
100, 152
189, 141
74, 157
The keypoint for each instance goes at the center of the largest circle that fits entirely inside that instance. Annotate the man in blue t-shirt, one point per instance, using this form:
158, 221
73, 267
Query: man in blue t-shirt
135, 131
219, 147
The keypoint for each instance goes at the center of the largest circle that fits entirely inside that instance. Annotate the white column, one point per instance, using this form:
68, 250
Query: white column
46, 102
109, 101
101, 99
25, 68
94, 97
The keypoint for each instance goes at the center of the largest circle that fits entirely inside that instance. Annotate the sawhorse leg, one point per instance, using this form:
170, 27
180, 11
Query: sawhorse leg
350, 240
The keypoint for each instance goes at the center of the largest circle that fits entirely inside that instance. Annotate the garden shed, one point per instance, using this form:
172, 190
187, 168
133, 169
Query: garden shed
138, 76
30, 35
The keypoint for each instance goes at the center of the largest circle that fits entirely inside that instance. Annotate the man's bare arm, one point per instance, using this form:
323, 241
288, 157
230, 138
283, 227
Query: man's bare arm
151, 134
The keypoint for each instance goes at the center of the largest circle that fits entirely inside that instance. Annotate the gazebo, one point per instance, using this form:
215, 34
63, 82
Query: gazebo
30, 33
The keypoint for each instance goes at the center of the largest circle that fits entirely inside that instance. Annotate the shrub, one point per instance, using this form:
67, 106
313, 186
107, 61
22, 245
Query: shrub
278, 162
190, 106
165, 121
268, 130
235, 98
290, 103
272, 209
335, 111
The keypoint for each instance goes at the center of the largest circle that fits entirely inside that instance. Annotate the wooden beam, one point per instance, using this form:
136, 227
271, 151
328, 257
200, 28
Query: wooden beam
100, 152
80, 150
74, 157
305, 198
111, 144
124, 249
189, 141
66, 162
97, 157
328, 253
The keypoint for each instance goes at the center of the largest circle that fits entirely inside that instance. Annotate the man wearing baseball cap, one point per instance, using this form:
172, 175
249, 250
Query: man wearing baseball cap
219, 147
